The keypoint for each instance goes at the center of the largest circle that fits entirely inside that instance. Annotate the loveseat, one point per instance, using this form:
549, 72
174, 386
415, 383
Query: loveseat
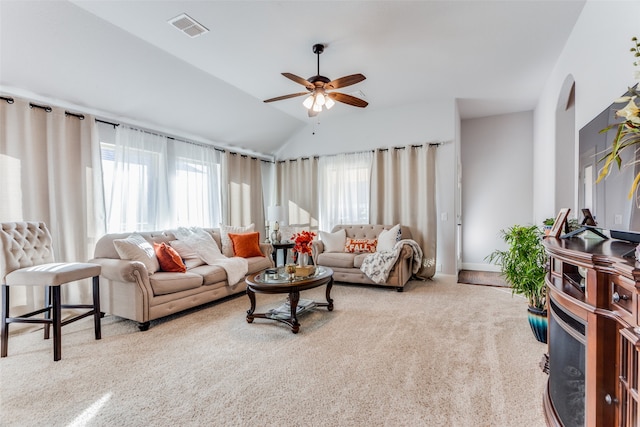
346, 265
127, 289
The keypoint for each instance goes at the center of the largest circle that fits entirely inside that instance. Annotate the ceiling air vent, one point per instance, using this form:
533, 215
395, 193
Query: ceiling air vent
358, 94
188, 25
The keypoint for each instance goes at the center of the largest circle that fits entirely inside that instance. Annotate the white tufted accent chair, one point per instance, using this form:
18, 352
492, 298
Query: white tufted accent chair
26, 259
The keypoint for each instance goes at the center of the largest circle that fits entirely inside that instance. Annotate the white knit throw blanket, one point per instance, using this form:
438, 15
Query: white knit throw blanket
378, 265
207, 249
236, 268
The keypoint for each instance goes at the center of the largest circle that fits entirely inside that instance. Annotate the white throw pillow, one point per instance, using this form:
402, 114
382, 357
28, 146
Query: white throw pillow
137, 248
184, 250
334, 242
387, 239
201, 242
227, 245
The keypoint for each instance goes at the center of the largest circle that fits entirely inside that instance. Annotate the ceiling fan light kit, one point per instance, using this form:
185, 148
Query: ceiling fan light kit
318, 87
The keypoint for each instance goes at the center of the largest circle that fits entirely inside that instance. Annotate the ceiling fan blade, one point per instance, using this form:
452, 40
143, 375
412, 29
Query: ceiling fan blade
299, 80
280, 98
348, 99
345, 81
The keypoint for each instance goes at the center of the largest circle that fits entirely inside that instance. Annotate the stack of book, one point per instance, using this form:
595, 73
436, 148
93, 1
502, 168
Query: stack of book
284, 310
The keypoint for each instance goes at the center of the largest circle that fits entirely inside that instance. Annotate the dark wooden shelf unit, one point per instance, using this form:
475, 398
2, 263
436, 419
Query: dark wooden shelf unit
592, 284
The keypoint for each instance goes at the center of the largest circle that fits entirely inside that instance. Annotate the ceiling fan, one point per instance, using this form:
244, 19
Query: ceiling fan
318, 88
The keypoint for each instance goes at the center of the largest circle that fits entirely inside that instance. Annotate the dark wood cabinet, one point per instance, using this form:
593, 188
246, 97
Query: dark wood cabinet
594, 338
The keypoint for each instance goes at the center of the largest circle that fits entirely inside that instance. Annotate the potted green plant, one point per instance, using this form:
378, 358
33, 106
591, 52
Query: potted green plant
548, 225
523, 265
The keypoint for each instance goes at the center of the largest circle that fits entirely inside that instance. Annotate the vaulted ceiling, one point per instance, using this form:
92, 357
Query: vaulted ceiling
122, 60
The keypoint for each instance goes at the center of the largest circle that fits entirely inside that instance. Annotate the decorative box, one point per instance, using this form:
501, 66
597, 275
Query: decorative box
305, 271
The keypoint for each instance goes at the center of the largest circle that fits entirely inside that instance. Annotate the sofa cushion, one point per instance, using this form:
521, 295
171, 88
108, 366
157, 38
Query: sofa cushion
387, 239
164, 283
168, 258
210, 274
335, 259
333, 242
258, 263
227, 245
137, 248
360, 245
357, 260
246, 245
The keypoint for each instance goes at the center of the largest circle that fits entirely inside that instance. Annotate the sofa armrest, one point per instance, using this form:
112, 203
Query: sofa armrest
405, 252
317, 247
266, 249
122, 270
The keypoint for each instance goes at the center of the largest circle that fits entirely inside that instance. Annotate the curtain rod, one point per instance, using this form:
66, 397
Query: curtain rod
158, 134
46, 108
79, 116
115, 125
42, 107
430, 144
199, 144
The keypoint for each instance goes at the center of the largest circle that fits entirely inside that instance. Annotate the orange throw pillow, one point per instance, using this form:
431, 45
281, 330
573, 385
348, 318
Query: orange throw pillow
169, 258
246, 245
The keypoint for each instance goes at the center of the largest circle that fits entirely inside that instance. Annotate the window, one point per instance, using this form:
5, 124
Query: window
152, 182
344, 182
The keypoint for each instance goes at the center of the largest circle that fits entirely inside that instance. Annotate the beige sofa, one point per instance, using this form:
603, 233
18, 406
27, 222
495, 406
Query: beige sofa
128, 290
346, 266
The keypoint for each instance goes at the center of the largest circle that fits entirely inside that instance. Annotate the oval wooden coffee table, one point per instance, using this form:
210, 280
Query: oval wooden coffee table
280, 283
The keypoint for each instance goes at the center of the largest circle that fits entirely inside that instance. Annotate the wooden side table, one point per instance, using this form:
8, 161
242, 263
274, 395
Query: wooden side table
284, 246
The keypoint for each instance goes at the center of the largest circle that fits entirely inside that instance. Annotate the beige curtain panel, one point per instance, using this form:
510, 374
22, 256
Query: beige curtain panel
297, 191
403, 189
242, 201
40, 150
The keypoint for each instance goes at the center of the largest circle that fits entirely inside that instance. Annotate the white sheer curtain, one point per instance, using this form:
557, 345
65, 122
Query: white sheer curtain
343, 189
194, 172
242, 191
268, 183
153, 182
403, 191
297, 190
47, 165
134, 169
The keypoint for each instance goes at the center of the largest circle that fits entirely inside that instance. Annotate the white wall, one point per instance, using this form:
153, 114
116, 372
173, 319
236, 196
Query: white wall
497, 183
369, 129
597, 56
434, 121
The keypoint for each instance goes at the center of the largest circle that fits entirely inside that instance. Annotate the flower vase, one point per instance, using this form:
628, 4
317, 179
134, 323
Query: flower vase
302, 259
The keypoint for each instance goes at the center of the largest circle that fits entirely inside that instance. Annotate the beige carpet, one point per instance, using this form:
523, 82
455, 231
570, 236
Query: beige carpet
439, 354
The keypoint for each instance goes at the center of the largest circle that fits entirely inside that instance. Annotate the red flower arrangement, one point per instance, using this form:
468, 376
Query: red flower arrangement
302, 242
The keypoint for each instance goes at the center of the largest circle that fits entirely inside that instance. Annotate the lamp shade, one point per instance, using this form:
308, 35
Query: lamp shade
275, 213
308, 102
329, 103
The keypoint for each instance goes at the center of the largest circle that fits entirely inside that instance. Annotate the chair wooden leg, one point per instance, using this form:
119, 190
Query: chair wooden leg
96, 307
47, 314
57, 323
4, 328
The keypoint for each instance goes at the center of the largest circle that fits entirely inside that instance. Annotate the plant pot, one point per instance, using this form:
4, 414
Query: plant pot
538, 322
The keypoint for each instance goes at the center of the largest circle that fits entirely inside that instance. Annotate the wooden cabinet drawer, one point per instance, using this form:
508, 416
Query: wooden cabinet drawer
622, 299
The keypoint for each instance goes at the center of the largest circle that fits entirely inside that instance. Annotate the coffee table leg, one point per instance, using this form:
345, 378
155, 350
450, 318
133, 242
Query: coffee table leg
329, 300
252, 298
294, 297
